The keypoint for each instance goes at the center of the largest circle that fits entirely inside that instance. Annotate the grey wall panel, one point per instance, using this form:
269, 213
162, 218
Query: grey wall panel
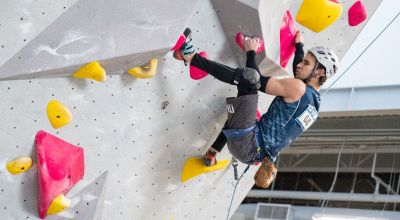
102, 30
123, 129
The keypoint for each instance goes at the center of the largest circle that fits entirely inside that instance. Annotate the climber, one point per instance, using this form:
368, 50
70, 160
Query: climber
292, 111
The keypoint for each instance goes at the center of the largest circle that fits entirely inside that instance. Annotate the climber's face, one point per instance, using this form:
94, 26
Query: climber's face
304, 69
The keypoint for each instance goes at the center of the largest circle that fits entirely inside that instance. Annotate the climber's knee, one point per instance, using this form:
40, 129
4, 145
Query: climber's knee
251, 75
247, 76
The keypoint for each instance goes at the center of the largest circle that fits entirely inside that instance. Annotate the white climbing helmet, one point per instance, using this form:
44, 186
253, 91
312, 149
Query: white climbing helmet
327, 58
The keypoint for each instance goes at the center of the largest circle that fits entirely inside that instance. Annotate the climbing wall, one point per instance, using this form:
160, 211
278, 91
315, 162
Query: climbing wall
118, 33
319, 20
136, 133
141, 131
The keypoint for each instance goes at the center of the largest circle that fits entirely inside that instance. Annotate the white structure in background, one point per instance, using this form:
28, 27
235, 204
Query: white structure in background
289, 212
373, 82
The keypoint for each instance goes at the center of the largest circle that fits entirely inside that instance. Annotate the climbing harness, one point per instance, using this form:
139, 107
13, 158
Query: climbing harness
235, 165
235, 134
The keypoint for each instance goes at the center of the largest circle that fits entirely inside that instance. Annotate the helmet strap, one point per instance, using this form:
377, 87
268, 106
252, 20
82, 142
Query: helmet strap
312, 74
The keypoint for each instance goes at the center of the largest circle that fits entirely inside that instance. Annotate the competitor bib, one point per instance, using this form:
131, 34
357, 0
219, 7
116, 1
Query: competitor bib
308, 117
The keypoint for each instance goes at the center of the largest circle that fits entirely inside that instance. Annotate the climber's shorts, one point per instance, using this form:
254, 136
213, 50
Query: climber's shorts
242, 114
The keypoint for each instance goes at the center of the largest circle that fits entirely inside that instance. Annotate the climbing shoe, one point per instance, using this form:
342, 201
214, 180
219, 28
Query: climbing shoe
186, 48
210, 158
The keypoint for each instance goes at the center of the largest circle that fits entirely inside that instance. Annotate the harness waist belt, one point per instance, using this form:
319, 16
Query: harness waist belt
236, 133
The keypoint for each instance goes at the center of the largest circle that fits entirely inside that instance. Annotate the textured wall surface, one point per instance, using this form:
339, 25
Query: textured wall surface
123, 130
264, 18
119, 34
120, 123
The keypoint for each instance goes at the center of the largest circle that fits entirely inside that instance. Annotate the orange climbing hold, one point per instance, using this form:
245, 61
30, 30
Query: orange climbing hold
195, 166
58, 114
317, 15
146, 71
92, 70
19, 165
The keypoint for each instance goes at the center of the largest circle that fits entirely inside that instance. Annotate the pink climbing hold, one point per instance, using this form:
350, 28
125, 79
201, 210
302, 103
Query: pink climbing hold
179, 42
60, 166
287, 36
196, 73
258, 115
240, 42
357, 13
336, 1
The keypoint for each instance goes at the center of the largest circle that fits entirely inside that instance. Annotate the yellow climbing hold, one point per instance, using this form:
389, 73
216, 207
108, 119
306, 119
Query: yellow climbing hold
59, 204
58, 114
195, 166
317, 15
19, 165
146, 71
91, 70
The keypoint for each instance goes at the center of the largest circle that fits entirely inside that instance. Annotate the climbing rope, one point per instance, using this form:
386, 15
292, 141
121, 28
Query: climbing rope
234, 190
354, 61
324, 205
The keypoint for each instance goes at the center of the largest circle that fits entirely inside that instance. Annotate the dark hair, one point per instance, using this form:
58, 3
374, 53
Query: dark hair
323, 78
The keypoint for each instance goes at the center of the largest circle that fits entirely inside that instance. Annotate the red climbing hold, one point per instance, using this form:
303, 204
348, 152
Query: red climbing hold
182, 39
196, 73
179, 42
258, 115
60, 166
357, 13
287, 35
240, 42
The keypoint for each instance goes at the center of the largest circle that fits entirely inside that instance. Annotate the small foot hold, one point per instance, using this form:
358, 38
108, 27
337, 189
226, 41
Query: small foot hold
240, 37
195, 166
58, 114
92, 70
59, 204
196, 73
146, 71
19, 165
